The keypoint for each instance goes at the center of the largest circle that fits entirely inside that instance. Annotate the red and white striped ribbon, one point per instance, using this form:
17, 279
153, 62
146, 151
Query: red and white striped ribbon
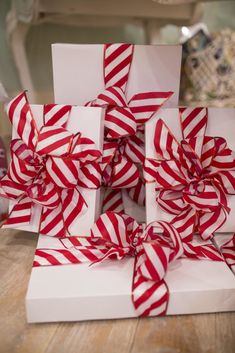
49, 166
117, 61
21, 117
122, 169
123, 120
117, 236
56, 114
192, 176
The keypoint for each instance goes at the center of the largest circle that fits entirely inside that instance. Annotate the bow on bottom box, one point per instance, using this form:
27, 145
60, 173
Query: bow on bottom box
54, 176
124, 270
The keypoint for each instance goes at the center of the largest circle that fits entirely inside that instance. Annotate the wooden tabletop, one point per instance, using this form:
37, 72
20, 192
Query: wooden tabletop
208, 333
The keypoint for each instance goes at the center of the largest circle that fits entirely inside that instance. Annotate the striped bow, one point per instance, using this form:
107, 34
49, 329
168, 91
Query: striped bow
49, 167
124, 121
116, 236
193, 176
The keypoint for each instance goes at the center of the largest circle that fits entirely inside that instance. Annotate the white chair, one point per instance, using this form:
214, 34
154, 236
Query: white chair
148, 14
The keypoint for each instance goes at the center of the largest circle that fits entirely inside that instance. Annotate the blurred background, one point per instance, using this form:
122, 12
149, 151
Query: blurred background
205, 29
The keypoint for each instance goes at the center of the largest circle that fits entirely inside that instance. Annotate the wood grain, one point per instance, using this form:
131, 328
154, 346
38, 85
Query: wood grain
212, 333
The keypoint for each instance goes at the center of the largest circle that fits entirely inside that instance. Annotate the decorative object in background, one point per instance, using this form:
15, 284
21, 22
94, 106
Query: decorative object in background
147, 17
209, 67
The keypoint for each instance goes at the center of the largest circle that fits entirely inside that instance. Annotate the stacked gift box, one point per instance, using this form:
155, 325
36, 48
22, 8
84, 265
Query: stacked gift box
131, 195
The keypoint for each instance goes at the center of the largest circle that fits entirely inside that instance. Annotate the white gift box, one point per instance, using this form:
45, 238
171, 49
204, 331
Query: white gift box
221, 123
78, 71
78, 78
80, 120
83, 292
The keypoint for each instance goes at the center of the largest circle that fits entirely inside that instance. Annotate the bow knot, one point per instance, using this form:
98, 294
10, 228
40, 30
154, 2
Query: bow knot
123, 236
119, 119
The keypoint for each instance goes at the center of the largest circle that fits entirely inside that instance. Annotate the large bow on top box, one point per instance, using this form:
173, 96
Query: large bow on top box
190, 170
123, 269
54, 177
132, 82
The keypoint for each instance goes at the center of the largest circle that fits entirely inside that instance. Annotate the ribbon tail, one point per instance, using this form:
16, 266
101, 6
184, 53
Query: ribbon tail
52, 222
21, 117
166, 145
70, 250
206, 251
61, 255
73, 207
149, 298
144, 105
60, 221
20, 214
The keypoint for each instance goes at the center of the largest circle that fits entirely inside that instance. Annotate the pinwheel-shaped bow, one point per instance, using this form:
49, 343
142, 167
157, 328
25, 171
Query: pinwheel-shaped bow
193, 176
124, 121
49, 167
116, 236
